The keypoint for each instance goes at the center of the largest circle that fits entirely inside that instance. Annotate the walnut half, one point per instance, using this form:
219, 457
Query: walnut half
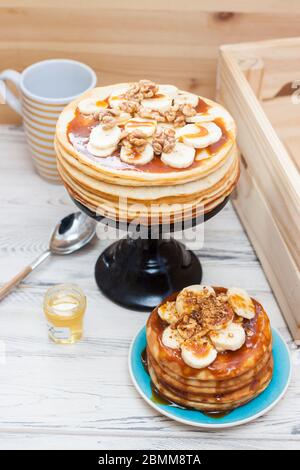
177, 114
135, 140
107, 117
141, 90
164, 141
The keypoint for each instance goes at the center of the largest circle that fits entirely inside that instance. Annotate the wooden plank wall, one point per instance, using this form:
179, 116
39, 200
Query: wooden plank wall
168, 41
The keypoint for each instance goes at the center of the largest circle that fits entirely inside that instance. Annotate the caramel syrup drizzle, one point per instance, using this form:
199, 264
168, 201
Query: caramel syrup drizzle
102, 103
202, 132
140, 124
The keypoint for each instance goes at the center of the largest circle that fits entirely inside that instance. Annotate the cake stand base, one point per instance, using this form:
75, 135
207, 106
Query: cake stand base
139, 274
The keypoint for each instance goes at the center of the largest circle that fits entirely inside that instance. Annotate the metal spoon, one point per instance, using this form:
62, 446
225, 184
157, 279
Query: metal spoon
72, 233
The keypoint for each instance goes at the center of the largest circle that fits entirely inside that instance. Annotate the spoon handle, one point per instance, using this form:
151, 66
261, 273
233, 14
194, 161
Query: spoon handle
4, 290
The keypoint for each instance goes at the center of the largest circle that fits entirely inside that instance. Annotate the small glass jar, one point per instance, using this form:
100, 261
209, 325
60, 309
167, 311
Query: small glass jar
64, 308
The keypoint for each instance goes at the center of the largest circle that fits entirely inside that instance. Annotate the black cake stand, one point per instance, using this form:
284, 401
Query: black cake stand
138, 273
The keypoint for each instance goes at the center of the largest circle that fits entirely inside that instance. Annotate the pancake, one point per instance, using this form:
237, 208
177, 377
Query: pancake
220, 401
230, 377
202, 167
190, 195
206, 386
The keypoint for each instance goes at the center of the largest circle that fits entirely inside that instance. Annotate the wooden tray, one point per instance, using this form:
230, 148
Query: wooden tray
259, 83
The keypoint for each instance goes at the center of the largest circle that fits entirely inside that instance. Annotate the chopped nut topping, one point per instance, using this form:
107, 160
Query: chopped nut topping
163, 141
216, 312
192, 301
186, 327
208, 312
141, 90
191, 325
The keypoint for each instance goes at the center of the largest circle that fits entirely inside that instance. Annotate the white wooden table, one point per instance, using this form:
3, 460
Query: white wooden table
81, 396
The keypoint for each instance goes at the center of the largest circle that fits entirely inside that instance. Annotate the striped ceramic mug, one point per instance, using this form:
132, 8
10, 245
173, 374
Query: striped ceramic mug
45, 89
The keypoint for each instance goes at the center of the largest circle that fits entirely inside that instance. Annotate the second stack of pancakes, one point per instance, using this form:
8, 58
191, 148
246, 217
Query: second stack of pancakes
214, 364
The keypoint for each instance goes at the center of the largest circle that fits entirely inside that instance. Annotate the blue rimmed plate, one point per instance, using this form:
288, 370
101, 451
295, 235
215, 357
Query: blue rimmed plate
252, 410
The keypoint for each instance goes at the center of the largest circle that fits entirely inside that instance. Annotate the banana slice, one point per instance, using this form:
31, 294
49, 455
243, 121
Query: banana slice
101, 152
198, 353
168, 313
181, 156
137, 158
200, 117
123, 118
230, 338
199, 135
169, 90
116, 101
186, 98
241, 303
91, 105
147, 126
104, 138
171, 338
160, 103
164, 125
117, 96
189, 296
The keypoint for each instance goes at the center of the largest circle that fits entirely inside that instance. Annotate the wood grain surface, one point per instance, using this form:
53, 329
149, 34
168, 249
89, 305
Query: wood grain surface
166, 41
268, 193
80, 396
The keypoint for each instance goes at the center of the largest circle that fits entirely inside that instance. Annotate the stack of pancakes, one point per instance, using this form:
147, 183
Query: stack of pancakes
129, 191
232, 379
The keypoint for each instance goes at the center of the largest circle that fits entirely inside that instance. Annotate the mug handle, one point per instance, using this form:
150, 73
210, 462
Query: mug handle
11, 99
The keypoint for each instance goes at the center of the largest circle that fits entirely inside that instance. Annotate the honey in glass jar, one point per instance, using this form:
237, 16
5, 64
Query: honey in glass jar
64, 307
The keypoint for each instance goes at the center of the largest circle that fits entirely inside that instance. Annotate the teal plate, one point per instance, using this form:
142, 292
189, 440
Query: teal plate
252, 410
